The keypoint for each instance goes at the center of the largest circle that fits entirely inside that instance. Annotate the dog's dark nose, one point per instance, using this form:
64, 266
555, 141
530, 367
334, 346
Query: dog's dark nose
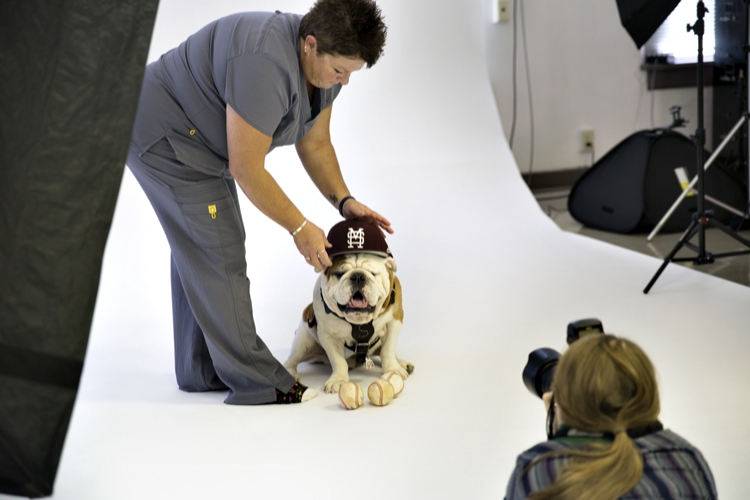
358, 279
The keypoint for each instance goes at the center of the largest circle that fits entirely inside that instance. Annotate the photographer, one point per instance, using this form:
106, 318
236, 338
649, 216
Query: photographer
607, 442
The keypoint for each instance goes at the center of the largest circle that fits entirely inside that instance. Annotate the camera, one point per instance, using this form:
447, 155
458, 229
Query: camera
538, 372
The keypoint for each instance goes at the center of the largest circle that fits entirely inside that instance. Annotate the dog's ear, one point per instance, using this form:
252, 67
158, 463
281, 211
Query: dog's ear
390, 264
329, 270
308, 315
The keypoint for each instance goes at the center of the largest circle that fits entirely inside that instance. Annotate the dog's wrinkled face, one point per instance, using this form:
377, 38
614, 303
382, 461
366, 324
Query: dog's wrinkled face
357, 285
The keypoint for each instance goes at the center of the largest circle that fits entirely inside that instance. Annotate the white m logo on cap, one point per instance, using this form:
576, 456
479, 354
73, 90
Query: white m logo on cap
355, 237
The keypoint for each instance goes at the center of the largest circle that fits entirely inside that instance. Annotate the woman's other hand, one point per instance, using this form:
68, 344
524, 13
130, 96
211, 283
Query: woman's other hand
312, 243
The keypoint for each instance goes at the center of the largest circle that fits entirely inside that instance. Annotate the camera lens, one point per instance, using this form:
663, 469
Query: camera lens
537, 375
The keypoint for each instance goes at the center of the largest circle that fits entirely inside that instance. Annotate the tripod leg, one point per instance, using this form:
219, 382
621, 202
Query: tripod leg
728, 232
689, 233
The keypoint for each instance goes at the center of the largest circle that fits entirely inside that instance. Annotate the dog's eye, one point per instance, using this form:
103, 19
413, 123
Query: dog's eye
338, 275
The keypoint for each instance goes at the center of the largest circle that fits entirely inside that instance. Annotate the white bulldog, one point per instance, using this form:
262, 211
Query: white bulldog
356, 311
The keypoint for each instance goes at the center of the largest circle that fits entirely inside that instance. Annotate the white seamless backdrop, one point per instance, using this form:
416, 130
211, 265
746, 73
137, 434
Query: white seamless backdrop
487, 278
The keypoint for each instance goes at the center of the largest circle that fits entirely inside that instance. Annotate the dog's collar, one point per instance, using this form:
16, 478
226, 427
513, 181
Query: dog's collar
360, 333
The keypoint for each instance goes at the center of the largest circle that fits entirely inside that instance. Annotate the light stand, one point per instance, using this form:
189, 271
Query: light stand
689, 188
747, 78
702, 218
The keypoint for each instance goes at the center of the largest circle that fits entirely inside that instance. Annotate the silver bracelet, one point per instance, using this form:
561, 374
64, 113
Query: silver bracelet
304, 223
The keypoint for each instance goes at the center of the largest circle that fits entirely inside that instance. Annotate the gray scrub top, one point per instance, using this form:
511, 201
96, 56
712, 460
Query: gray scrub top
248, 60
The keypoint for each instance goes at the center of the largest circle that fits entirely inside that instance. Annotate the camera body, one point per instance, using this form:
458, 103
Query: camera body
539, 370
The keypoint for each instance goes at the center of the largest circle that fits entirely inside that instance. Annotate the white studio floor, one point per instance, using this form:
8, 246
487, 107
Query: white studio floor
487, 278
488, 283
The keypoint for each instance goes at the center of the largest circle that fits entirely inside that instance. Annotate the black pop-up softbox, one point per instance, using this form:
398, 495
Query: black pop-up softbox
70, 75
631, 187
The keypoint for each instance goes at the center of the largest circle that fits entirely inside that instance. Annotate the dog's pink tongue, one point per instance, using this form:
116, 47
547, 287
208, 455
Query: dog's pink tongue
357, 304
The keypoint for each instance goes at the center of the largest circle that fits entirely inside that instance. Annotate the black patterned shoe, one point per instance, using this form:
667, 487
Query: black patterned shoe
297, 394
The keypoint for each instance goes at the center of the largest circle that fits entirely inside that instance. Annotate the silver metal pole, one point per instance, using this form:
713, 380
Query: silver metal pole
728, 208
685, 192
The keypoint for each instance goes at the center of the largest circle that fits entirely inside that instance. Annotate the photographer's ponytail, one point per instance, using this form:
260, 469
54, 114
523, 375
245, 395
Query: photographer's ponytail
603, 385
602, 472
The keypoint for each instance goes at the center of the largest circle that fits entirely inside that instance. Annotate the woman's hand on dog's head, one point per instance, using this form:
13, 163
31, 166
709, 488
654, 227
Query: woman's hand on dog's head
353, 208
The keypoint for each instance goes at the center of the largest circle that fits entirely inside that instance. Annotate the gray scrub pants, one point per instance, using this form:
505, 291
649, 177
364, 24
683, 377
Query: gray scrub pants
215, 342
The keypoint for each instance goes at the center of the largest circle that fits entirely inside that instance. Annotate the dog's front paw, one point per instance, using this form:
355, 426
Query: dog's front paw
397, 367
334, 383
406, 366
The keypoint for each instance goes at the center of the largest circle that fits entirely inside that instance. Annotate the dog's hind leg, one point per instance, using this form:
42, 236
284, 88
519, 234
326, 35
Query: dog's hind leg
304, 348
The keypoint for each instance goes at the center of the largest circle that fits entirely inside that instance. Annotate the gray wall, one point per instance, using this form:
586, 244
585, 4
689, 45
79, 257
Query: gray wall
585, 73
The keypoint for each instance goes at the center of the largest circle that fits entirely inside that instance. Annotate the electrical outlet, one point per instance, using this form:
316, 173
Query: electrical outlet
500, 11
586, 144
504, 8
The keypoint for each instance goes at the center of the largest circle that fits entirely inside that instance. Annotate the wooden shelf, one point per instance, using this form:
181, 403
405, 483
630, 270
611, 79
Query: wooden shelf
671, 76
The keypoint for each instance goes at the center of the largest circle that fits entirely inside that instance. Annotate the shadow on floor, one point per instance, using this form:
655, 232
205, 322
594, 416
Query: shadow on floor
735, 268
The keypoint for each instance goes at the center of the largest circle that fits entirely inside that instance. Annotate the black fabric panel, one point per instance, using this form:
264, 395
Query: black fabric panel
70, 75
40, 367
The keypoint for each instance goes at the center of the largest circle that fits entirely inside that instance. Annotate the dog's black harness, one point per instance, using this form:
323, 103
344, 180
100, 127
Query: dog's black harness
361, 333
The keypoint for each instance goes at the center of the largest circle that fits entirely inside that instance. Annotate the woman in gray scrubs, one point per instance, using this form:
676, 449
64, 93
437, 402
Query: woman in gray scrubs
209, 112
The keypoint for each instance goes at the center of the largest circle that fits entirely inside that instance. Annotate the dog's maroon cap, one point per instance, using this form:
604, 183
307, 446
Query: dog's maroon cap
356, 236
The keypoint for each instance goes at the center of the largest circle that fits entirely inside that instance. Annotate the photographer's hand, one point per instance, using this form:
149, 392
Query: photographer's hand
548, 401
547, 398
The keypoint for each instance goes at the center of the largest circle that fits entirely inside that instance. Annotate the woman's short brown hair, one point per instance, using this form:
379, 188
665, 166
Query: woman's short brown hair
349, 28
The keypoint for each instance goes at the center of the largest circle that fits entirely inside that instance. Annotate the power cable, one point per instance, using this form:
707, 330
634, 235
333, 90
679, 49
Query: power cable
528, 86
653, 90
514, 83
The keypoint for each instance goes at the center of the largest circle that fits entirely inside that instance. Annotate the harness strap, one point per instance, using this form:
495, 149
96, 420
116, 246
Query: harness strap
361, 350
360, 333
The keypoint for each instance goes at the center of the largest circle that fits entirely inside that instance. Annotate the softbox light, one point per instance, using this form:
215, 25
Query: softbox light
641, 18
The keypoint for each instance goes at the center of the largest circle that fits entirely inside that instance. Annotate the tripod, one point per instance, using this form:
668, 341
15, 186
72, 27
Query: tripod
702, 218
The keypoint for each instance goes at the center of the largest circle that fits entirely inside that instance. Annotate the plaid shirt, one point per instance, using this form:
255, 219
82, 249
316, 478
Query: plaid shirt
672, 469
